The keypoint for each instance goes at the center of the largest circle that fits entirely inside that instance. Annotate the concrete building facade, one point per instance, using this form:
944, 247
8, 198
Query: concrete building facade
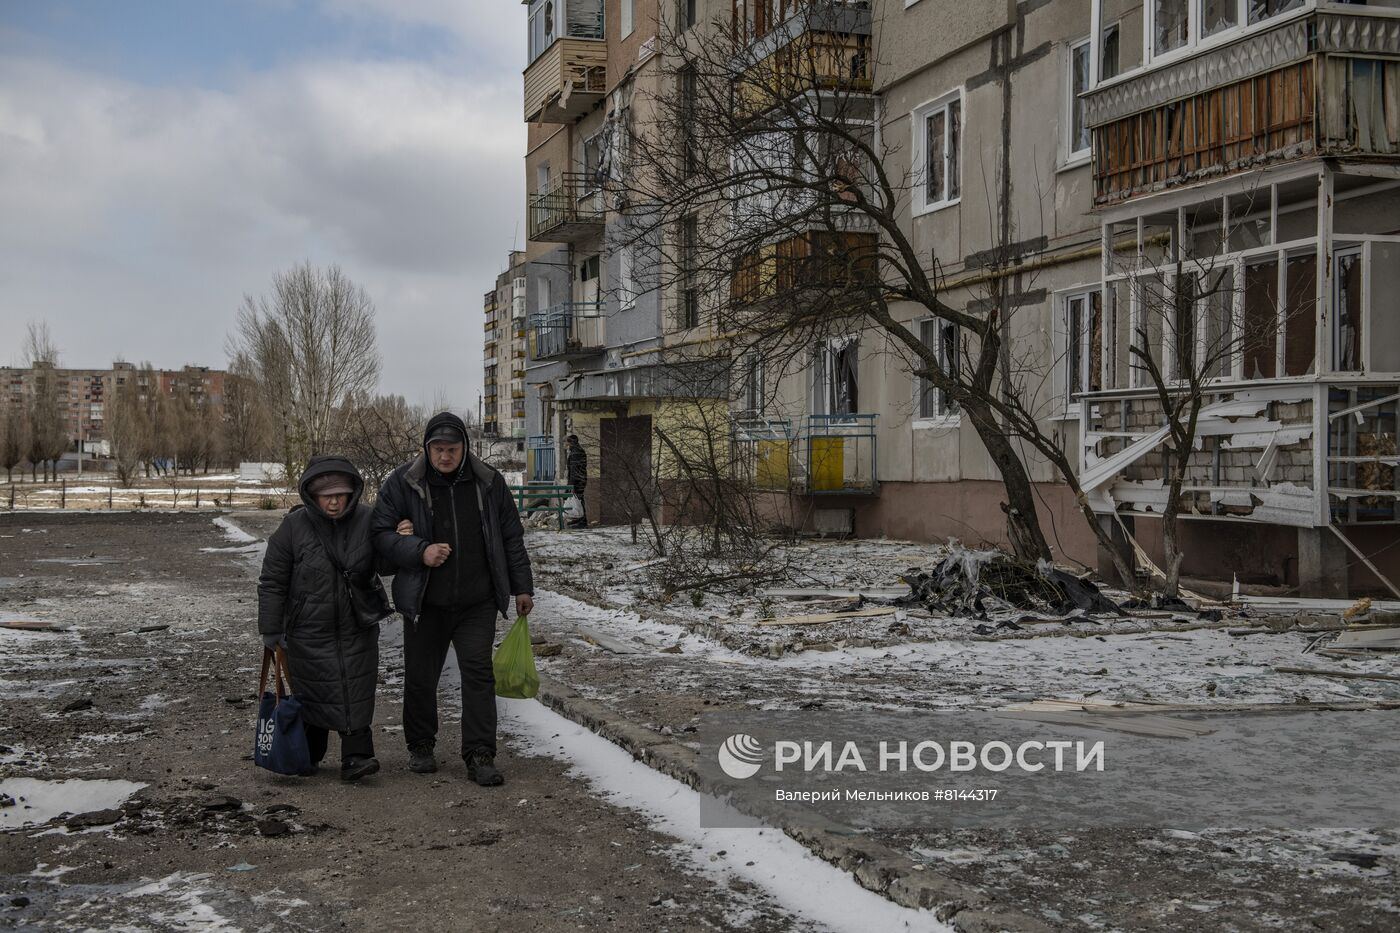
1172, 176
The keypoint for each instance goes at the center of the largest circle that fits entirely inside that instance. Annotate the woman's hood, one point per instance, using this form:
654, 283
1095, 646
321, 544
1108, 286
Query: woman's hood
320, 466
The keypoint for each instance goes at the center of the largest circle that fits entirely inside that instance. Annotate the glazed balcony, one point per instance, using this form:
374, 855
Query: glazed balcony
1306, 82
569, 210
567, 75
567, 331
803, 46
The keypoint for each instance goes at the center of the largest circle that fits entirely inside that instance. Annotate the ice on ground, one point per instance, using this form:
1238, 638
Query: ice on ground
234, 533
38, 801
797, 880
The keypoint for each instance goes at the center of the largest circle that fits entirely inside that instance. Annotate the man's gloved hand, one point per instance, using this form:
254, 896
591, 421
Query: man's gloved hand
275, 640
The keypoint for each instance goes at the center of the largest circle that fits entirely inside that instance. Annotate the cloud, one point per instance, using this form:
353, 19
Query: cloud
139, 215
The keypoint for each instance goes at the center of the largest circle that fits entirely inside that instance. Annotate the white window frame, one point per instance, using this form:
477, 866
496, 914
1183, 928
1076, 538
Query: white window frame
1067, 391
918, 128
1075, 157
947, 412
625, 18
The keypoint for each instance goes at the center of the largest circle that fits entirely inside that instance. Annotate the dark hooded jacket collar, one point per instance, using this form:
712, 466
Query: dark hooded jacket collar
319, 466
420, 470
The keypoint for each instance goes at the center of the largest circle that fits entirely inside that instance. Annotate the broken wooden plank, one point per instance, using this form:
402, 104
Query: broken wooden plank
1299, 603
607, 642
821, 617
867, 592
1382, 638
1116, 717
1334, 672
33, 625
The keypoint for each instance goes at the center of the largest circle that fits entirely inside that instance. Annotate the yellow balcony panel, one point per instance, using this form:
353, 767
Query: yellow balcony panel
566, 81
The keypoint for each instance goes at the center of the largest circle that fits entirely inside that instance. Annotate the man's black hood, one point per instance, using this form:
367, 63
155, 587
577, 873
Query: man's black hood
321, 465
450, 420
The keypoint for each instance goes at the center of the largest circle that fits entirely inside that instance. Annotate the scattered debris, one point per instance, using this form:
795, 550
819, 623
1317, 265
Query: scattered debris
822, 617
95, 818
975, 582
1359, 859
1361, 607
1349, 675
273, 828
1132, 718
547, 650
1382, 639
867, 592
606, 642
32, 625
78, 705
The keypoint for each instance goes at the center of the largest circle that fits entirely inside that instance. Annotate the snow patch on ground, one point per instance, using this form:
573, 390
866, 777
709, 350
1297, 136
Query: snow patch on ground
797, 880
234, 533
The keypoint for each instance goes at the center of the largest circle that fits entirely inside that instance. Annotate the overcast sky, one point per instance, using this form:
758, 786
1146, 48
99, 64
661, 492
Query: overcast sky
159, 159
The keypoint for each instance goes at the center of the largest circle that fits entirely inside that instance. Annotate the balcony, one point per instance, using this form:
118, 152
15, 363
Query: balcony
569, 210
822, 45
567, 331
567, 74
1311, 83
839, 455
817, 260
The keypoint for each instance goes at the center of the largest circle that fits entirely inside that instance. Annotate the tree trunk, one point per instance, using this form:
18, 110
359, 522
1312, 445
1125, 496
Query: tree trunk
1171, 546
1022, 523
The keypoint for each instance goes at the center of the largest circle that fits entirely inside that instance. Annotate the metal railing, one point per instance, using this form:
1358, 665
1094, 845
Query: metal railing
539, 450
571, 207
575, 327
840, 454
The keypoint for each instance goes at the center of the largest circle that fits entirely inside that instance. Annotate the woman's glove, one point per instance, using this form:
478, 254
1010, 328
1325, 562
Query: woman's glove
275, 640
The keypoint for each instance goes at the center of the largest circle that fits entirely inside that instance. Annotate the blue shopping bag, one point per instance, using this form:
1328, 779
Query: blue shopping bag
280, 741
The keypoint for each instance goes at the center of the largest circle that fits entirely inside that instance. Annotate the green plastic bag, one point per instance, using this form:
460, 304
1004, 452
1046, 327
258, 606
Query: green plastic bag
514, 664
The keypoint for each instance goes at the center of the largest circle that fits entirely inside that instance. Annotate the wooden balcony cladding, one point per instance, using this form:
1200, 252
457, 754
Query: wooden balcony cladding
1360, 107
566, 81
1227, 129
812, 61
817, 260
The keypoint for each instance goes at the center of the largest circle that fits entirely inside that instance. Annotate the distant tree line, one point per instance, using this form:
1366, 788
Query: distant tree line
303, 365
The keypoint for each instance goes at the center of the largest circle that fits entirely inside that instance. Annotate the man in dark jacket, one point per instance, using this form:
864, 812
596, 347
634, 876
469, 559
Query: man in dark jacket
576, 468
458, 569
321, 547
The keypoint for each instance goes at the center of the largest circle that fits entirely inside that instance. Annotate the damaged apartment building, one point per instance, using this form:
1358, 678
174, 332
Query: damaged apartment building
1212, 181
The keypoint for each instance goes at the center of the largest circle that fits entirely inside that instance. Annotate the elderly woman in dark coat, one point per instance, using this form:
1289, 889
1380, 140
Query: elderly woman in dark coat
320, 551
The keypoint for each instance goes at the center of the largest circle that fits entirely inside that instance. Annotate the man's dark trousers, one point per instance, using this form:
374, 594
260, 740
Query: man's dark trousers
470, 633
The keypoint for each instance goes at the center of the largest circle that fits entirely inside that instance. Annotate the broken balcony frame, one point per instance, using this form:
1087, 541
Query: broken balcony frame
1353, 270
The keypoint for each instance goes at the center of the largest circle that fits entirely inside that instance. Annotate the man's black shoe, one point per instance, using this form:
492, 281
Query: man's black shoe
357, 767
481, 768
421, 762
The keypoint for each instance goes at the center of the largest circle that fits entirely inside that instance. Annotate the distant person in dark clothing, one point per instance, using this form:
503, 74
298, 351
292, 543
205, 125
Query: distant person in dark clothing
460, 566
576, 467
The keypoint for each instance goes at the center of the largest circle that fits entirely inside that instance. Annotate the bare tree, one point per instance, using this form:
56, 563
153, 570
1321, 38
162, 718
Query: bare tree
193, 428
245, 413
311, 344
379, 434
128, 429
14, 427
1188, 335
759, 178
48, 434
